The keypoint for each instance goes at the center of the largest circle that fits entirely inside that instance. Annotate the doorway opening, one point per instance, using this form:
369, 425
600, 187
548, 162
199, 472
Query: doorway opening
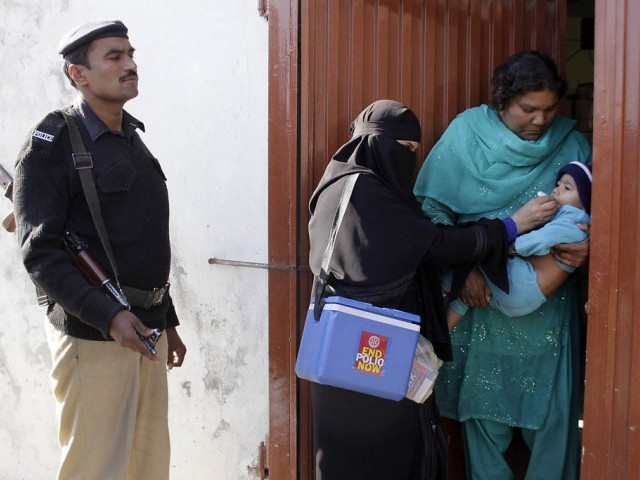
579, 72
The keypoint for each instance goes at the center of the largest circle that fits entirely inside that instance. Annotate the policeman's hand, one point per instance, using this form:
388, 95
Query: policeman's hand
9, 223
177, 350
475, 291
572, 254
124, 329
534, 213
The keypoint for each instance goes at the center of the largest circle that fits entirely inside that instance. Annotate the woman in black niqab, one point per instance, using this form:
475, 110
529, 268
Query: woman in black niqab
388, 253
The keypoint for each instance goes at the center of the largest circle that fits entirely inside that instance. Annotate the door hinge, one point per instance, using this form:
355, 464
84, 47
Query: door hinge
263, 8
260, 466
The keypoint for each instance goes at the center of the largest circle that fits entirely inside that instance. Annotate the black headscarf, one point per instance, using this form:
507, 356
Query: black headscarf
378, 241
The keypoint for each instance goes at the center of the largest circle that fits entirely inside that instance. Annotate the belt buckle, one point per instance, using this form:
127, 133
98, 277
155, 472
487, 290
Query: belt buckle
156, 296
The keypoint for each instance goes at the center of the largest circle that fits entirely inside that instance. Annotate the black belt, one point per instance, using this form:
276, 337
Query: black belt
146, 298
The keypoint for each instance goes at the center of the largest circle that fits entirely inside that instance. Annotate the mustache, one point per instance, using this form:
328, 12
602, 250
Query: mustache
128, 75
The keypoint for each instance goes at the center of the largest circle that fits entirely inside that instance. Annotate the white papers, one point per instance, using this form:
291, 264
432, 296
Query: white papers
423, 372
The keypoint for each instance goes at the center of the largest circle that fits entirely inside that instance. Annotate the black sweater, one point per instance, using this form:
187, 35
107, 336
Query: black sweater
48, 198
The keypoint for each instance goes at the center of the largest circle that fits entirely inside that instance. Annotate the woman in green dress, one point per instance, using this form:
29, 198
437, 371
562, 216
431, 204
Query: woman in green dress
510, 372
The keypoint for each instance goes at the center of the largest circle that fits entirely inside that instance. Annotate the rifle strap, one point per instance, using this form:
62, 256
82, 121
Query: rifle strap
84, 165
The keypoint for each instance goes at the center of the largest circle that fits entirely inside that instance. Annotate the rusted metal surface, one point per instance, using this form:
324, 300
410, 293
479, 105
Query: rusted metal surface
611, 438
437, 57
283, 236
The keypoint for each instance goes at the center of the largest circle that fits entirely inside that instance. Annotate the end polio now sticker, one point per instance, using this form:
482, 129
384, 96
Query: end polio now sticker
371, 353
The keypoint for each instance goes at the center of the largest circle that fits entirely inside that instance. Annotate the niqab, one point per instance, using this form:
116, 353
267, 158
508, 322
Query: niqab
374, 148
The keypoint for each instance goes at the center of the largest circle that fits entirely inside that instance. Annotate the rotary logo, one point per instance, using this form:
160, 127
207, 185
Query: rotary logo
374, 341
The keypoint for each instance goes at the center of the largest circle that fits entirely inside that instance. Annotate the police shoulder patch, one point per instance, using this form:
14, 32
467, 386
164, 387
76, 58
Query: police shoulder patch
47, 130
44, 136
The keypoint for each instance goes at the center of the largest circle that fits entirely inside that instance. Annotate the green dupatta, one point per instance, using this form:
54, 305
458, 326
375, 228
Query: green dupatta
480, 167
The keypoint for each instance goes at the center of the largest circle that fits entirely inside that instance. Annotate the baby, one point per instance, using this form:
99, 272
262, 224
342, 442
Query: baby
573, 195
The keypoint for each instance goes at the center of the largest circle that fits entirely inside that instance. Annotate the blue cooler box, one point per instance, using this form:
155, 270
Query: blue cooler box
360, 347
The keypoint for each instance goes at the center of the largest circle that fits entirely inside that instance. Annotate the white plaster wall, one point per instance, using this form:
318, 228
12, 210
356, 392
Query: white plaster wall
203, 98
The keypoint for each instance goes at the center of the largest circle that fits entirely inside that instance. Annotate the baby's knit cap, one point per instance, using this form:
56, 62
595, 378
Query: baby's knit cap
581, 174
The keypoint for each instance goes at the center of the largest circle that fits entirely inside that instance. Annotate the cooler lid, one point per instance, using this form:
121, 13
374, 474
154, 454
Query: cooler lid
380, 314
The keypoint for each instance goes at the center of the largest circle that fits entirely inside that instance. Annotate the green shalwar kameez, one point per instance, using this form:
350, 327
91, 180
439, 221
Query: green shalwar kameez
507, 372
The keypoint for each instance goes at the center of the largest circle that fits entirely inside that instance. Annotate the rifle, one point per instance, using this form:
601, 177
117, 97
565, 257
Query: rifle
90, 268
78, 251
6, 182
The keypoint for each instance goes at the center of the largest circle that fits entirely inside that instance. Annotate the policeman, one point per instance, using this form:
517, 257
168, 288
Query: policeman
110, 390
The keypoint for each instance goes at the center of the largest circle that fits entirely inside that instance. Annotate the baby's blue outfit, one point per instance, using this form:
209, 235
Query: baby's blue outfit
524, 293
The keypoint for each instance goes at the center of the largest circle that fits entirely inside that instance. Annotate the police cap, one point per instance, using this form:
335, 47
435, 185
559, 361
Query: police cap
88, 32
